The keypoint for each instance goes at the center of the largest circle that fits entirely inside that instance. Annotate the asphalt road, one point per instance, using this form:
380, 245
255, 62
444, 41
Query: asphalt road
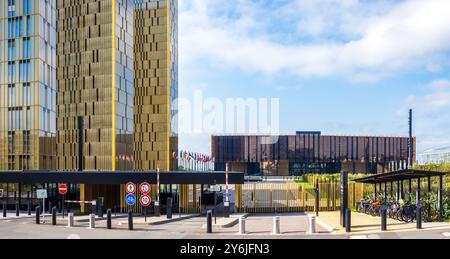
258, 227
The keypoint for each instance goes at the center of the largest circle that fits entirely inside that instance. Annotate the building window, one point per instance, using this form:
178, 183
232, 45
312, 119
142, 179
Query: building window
26, 7
11, 164
11, 142
26, 142
11, 72
28, 119
11, 90
24, 70
11, 50
26, 48
26, 94
11, 8
28, 24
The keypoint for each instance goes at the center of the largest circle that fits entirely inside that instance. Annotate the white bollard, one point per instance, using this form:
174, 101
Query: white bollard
241, 226
92, 221
70, 220
276, 226
312, 224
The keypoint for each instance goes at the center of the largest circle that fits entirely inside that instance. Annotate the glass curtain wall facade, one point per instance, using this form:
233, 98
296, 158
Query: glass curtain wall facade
95, 81
310, 152
27, 85
156, 84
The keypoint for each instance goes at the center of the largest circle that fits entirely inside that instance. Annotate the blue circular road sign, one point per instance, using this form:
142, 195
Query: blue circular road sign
130, 199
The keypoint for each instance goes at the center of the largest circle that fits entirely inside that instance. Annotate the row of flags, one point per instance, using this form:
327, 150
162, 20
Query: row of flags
191, 156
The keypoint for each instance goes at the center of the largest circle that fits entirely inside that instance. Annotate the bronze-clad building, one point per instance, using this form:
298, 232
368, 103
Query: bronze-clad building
310, 152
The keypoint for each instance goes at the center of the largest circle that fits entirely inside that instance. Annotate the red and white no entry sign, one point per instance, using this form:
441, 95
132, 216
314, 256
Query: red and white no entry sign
144, 188
130, 188
145, 200
62, 189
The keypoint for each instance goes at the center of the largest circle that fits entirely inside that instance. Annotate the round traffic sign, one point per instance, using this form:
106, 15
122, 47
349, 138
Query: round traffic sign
130, 199
62, 189
145, 200
144, 188
130, 188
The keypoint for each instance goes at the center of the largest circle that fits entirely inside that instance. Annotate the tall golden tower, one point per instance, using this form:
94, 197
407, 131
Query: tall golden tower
156, 84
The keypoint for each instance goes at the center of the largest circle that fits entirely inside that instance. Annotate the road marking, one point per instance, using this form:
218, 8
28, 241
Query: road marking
359, 237
446, 234
73, 236
25, 223
374, 236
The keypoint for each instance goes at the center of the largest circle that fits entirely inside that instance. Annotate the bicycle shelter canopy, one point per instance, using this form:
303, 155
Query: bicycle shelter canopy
407, 175
401, 175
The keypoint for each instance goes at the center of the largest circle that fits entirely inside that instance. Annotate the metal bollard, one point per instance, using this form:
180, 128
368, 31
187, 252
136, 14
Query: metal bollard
226, 210
169, 208
109, 219
157, 209
241, 226
5, 206
70, 220
419, 216
29, 208
312, 224
92, 221
276, 226
209, 222
38, 215
54, 216
130, 220
17, 209
383, 219
348, 220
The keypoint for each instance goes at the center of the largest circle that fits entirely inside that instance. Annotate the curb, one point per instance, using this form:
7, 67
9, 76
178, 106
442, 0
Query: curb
162, 222
234, 222
325, 226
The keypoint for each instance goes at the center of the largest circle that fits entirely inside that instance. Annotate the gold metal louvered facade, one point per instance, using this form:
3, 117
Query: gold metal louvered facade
156, 84
95, 81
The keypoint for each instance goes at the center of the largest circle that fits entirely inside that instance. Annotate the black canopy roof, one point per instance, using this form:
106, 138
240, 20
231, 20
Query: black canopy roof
120, 177
399, 176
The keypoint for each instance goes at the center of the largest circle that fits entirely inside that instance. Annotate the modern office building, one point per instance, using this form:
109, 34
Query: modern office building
155, 84
95, 81
435, 156
95, 51
27, 84
310, 152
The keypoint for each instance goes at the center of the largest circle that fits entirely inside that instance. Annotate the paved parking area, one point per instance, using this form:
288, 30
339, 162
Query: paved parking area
366, 224
293, 226
258, 227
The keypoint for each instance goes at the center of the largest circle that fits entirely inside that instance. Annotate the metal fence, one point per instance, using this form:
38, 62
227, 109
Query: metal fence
293, 197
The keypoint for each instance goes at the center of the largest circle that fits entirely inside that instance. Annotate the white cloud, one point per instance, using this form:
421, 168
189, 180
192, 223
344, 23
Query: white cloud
434, 102
431, 117
387, 37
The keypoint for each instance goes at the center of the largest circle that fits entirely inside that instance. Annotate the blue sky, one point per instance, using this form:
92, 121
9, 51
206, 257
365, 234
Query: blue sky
338, 66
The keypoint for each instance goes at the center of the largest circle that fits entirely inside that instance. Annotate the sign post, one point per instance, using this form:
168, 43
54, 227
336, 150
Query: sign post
157, 207
227, 196
145, 201
130, 198
42, 194
62, 189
